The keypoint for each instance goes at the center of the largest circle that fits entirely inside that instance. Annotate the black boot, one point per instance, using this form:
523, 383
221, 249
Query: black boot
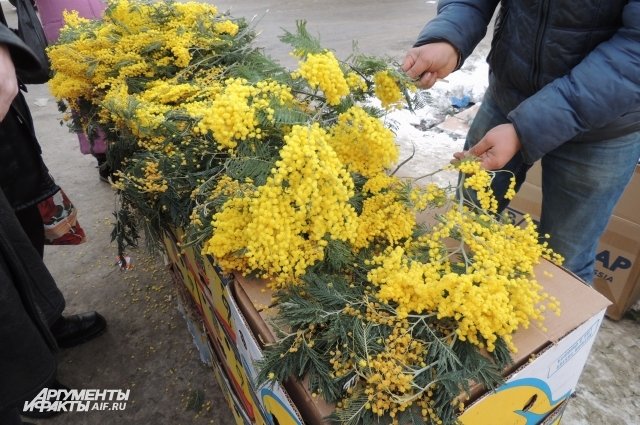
73, 330
36, 414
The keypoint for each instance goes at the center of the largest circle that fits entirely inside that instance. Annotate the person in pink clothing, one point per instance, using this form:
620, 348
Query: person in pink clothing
51, 11
51, 16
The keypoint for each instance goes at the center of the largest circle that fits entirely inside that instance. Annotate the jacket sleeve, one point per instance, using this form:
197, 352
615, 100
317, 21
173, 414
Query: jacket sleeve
604, 86
463, 23
21, 54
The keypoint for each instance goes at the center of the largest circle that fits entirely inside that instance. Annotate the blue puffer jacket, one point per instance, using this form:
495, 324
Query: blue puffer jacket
562, 69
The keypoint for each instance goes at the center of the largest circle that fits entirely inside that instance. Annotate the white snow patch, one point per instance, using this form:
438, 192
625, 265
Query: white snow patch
433, 147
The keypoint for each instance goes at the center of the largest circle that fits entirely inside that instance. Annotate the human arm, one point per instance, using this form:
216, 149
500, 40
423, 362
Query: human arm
8, 81
13, 54
602, 88
448, 39
496, 148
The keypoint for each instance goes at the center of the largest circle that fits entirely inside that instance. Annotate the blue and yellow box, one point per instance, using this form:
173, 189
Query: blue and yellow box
235, 310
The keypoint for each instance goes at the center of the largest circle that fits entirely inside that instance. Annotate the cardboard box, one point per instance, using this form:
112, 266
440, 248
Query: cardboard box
253, 299
617, 270
235, 313
224, 338
550, 361
546, 380
618, 266
628, 207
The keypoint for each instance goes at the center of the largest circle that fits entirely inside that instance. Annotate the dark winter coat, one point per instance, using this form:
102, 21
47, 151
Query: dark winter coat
562, 69
26, 360
24, 178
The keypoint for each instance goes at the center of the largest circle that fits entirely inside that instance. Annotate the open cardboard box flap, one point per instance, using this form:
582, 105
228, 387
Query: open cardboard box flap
254, 301
251, 293
578, 303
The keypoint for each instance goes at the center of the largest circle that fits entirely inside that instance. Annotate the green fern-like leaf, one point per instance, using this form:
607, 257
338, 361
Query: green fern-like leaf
355, 413
302, 41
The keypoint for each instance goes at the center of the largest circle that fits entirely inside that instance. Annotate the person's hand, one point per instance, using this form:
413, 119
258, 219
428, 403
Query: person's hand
8, 81
496, 148
427, 63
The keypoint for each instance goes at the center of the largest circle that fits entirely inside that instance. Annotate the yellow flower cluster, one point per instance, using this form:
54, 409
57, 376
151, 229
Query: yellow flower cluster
363, 143
71, 66
323, 71
191, 14
169, 92
378, 182
134, 40
226, 27
387, 90
511, 190
384, 216
232, 116
494, 294
356, 82
388, 213
282, 228
226, 187
153, 183
479, 180
429, 195
388, 375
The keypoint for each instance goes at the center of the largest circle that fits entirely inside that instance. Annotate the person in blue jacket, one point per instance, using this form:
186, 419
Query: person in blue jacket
564, 88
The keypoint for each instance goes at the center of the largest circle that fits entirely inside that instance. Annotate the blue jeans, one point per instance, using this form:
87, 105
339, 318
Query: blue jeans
581, 184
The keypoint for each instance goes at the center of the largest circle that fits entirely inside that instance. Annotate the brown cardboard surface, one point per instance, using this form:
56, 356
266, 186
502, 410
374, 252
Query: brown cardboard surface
628, 207
618, 255
314, 410
468, 114
534, 175
454, 125
578, 302
528, 200
618, 266
570, 292
253, 299
458, 124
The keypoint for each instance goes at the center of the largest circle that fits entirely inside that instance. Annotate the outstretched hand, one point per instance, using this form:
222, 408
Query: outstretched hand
496, 148
427, 63
8, 81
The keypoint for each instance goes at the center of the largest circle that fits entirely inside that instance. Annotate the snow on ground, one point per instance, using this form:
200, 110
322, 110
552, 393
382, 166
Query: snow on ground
426, 146
605, 393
